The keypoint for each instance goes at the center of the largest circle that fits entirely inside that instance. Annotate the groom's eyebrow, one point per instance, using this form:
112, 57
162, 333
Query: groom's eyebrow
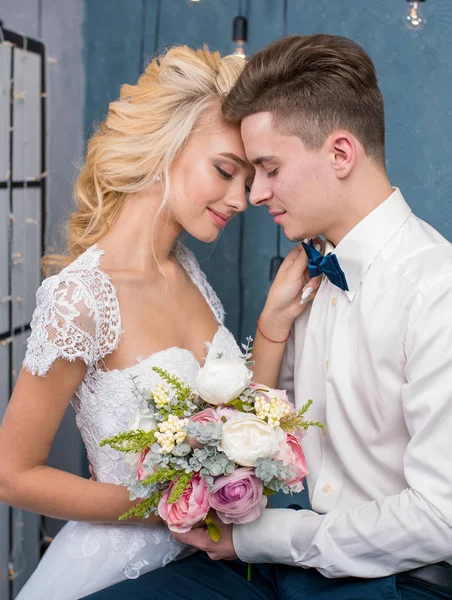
262, 159
235, 158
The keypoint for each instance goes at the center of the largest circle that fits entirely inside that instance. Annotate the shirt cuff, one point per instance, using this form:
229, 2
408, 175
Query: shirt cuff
268, 539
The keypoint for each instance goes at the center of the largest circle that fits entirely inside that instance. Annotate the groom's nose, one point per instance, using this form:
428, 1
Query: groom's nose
259, 193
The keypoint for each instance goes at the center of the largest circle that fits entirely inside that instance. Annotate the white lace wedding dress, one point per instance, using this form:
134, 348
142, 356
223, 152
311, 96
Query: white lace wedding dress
78, 316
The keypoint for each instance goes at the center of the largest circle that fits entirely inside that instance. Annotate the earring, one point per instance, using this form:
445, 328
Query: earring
156, 179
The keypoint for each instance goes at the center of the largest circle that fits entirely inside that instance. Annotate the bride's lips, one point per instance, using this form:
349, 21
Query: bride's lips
218, 218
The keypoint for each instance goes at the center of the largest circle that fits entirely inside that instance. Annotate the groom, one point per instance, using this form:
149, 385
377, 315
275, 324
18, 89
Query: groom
374, 352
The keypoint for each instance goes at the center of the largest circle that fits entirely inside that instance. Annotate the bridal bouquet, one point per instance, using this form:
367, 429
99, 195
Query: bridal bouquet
225, 447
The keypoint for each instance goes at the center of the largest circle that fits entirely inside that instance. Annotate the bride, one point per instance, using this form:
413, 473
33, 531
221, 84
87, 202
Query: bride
128, 297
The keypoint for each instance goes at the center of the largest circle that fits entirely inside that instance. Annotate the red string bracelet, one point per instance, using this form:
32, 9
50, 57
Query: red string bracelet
267, 338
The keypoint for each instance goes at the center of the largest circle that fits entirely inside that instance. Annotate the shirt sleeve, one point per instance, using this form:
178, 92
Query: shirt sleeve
400, 532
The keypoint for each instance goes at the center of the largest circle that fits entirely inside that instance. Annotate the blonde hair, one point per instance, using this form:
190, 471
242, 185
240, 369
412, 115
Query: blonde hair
143, 132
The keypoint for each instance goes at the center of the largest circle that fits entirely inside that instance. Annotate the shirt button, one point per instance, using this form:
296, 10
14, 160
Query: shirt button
326, 364
327, 488
334, 302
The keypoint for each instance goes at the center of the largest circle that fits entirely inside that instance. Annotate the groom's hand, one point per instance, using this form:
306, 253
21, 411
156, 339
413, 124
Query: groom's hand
200, 538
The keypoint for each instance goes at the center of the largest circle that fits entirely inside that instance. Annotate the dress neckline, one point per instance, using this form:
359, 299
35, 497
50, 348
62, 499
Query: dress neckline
98, 253
140, 361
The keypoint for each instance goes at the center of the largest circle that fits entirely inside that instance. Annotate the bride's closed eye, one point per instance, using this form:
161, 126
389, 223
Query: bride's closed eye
223, 173
228, 176
272, 173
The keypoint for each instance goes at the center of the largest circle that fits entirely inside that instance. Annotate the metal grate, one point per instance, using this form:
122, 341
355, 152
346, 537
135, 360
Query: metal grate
23, 171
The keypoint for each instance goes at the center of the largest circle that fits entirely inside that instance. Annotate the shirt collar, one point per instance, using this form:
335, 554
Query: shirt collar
359, 248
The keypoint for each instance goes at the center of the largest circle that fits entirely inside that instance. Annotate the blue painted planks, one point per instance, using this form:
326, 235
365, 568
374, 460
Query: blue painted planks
209, 23
112, 32
416, 82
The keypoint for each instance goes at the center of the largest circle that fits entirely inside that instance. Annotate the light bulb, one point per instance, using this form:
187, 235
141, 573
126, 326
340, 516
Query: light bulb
239, 36
239, 49
414, 19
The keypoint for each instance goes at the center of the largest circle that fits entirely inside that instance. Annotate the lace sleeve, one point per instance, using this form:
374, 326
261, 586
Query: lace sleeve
76, 316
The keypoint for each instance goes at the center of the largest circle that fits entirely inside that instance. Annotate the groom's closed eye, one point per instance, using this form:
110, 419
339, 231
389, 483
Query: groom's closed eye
264, 159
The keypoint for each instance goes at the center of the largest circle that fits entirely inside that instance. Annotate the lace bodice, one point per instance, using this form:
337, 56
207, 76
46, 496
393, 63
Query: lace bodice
78, 316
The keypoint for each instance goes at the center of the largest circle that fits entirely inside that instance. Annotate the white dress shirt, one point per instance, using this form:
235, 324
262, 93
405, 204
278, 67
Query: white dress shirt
377, 362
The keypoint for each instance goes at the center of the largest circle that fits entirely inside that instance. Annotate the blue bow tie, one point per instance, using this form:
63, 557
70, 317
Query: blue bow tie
328, 265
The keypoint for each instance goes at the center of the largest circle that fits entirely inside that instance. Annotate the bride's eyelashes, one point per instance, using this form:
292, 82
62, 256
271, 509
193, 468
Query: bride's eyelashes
228, 176
272, 173
223, 173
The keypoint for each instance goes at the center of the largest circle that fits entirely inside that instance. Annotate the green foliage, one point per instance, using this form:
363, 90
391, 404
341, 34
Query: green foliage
183, 391
248, 348
297, 421
161, 476
184, 395
130, 441
240, 405
143, 508
213, 529
179, 487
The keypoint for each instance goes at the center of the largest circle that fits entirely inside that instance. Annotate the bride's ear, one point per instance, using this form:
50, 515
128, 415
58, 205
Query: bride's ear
342, 151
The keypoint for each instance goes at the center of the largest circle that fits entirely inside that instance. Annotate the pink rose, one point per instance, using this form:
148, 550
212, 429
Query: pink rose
226, 412
208, 415
191, 508
292, 455
238, 498
142, 472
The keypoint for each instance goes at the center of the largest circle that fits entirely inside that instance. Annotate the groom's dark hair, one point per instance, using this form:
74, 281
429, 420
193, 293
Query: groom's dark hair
313, 85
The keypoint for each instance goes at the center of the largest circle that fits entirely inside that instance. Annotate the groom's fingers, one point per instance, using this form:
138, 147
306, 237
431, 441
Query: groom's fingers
198, 538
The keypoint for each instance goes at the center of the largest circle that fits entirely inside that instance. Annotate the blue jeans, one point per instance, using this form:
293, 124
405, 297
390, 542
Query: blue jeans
199, 578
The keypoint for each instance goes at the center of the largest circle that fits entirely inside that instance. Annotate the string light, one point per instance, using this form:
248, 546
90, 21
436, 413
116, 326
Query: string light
414, 18
239, 35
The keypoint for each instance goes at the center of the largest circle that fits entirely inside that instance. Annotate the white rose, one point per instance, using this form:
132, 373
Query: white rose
247, 438
222, 380
147, 423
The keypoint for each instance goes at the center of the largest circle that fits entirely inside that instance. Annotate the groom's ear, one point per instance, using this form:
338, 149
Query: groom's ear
342, 152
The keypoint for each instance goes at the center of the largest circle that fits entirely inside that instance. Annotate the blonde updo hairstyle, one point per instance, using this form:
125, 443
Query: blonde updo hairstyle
143, 133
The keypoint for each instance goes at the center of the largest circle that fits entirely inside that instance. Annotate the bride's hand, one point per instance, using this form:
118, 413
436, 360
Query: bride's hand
91, 470
292, 289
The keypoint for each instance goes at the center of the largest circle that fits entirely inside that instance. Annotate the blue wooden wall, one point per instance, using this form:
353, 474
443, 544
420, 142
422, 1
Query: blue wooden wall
415, 73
